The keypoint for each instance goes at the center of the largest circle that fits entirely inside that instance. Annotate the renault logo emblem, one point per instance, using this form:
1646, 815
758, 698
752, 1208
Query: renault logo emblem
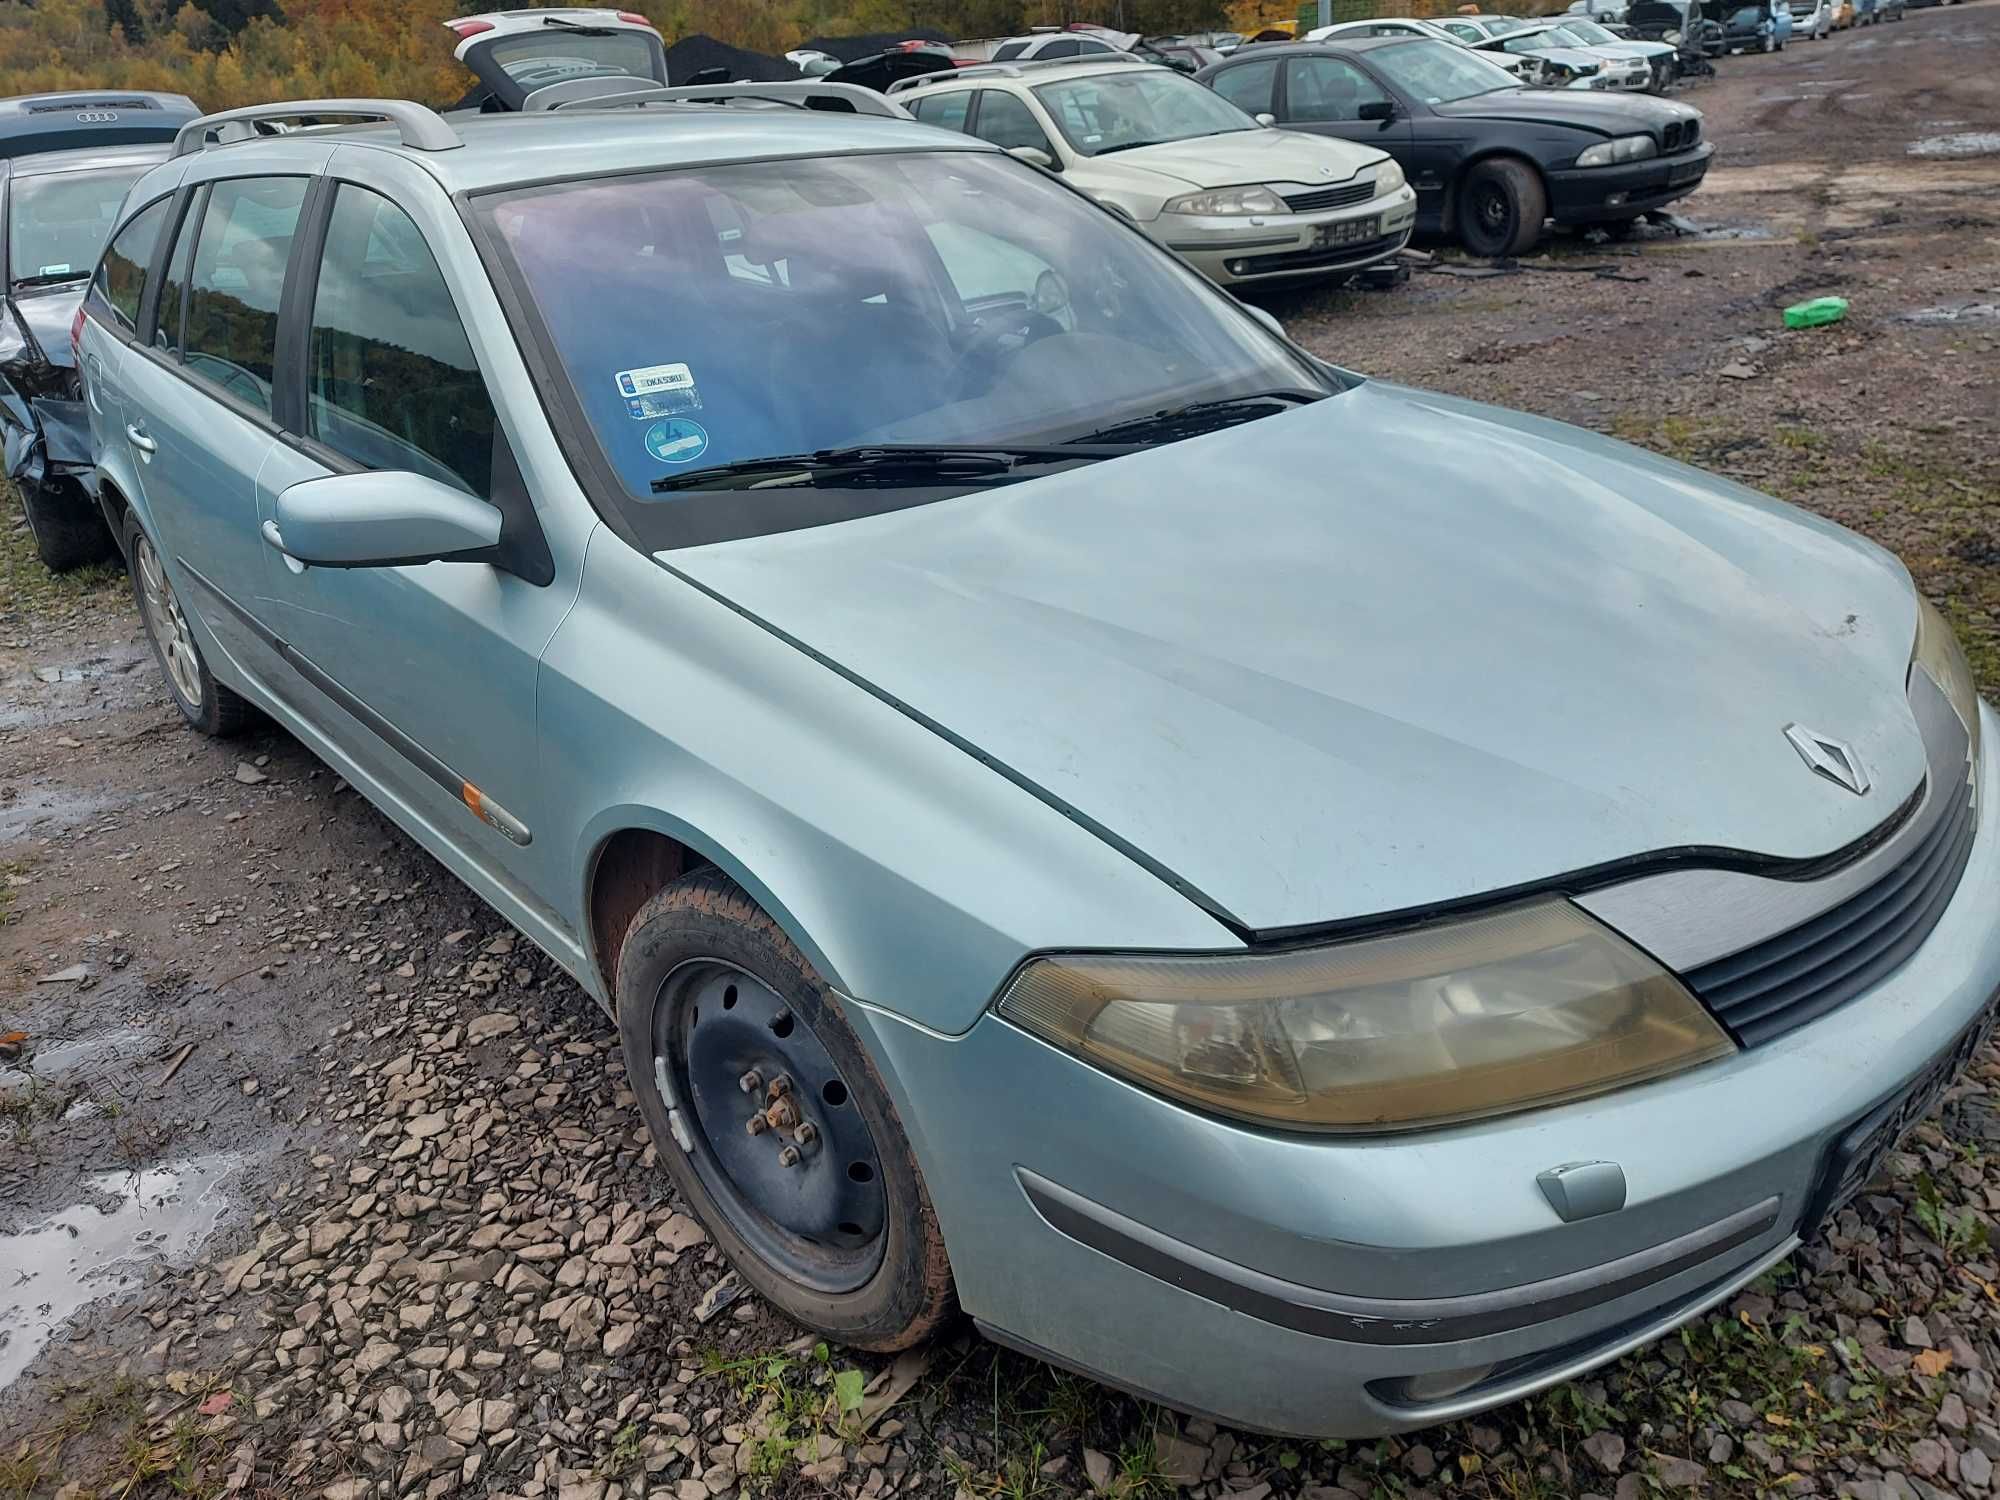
1831, 758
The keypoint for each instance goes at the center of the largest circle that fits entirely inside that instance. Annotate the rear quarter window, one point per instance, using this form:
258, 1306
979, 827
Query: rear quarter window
120, 282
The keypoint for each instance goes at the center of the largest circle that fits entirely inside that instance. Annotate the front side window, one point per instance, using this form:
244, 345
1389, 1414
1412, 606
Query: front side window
952, 297
1325, 89
57, 222
1249, 87
237, 281
121, 275
1008, 123
392, 383
1008, 51
1064, 48
1144, 107
1439, 72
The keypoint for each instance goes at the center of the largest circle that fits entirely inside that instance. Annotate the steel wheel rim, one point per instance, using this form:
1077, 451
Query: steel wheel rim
168, 626
821, 1221
1492, 206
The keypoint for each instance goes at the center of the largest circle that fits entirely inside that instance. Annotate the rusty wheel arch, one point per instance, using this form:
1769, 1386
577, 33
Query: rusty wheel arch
630, 866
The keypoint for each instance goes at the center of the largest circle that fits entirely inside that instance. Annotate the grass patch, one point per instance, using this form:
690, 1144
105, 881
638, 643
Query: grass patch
25, 581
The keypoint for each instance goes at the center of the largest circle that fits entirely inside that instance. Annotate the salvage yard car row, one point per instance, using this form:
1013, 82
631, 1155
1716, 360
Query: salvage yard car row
943, 677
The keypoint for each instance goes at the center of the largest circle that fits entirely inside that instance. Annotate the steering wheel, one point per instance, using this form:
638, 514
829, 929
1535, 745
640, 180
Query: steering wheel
992, 342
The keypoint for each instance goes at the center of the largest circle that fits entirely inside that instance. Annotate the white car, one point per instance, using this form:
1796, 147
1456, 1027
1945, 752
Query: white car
1437, 31
513, 53
1044, 45
1663, 58
1236, 199
1812, 20
1561, 60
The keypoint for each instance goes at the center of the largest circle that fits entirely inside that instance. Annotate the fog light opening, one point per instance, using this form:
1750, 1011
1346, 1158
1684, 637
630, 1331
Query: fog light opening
1615, 199
1236, 267
1441, 1385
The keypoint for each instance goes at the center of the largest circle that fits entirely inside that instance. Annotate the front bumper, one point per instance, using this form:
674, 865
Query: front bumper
1590, 195
1624, 80
1292, 1283
1274, 247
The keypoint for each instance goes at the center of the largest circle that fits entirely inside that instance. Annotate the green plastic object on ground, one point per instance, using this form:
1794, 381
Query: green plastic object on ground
1819, 310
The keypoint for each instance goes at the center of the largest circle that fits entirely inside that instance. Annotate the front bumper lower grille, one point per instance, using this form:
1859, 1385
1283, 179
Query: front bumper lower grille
1799, 975
1345, 196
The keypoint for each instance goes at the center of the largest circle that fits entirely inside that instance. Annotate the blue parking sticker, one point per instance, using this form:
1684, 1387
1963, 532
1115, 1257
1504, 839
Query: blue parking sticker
676, 441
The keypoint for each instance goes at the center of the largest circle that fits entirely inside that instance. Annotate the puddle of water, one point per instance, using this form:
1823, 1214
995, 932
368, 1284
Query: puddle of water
1963, 143
53, 1269
1962, 312
54, 1061
18, 819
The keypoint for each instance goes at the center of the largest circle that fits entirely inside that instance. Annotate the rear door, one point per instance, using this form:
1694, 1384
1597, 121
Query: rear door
425, 675
200, 388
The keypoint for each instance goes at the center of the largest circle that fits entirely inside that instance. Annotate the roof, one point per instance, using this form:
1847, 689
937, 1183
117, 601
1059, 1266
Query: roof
1029, 70
500, 150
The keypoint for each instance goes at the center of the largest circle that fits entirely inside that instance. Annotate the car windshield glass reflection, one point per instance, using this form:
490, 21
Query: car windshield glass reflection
1118, 111
57, 224
1439, 72
734, 313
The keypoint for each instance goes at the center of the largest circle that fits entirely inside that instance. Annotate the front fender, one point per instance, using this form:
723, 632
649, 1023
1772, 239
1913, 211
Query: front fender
914, 877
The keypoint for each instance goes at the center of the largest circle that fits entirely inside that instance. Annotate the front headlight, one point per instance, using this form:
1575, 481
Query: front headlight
1516, 1008
1236, 200
1388, 179
1937, 651
1620, 149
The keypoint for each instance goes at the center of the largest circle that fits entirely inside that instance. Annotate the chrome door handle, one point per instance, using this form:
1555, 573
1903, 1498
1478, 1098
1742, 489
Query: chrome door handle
276, 539
140, 441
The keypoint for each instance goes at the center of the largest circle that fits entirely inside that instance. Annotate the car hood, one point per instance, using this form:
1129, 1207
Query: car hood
1239, 156
48, 313
1634, 49
1374, 654
1603, 114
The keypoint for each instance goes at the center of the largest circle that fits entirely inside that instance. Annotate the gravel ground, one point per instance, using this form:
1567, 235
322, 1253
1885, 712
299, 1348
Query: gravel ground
365, 1205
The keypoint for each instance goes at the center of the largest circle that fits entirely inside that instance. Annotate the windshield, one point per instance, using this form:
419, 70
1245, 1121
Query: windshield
1746, 15
737, 312
1137, 107
1588, 33
1439, 72
57, 224
1501, 25
537, 58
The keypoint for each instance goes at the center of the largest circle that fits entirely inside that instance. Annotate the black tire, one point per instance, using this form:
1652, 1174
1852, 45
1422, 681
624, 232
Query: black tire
1501, 207
705, 926
205, 703
68, 528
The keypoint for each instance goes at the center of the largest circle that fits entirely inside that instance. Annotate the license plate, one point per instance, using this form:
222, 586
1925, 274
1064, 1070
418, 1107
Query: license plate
1687, 171
1349, 232
1859, 1153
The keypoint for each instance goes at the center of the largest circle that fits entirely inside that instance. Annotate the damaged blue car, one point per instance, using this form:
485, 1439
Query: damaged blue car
66, 161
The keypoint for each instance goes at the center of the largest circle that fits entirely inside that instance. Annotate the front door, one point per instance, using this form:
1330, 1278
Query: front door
424, 674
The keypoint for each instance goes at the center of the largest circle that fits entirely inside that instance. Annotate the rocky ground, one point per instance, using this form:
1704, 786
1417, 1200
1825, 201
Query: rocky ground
318, 1181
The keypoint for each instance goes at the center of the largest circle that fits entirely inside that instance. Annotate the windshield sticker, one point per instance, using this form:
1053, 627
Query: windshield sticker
676, 441
658, 391
61, 270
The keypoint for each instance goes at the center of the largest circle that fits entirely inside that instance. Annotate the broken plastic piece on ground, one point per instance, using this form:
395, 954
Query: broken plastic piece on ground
1818, 311
1672, 221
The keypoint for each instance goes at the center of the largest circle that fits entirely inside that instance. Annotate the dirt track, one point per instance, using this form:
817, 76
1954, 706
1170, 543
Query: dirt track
280, 994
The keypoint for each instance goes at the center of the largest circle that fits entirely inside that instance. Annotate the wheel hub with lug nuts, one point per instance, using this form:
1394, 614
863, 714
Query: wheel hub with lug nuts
777, 1136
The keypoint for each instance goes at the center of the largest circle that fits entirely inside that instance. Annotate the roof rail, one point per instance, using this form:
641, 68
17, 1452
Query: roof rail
800, 95
1016, 69
420, 129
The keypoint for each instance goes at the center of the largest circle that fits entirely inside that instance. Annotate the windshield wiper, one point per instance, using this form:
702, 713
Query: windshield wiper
578, 29
885, 463
51, 278
1201, 416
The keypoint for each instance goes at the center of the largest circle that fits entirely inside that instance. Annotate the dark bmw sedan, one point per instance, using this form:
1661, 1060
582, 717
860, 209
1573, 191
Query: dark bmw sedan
1491, 161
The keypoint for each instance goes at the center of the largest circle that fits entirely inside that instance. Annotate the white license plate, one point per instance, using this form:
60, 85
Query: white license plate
1348, 232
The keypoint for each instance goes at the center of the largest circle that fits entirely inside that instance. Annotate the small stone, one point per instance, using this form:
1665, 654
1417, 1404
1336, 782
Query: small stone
379, 1354
1606, 1449
486, 1027
394, 1403
1951, 1414
1915, 1334
681, 1233
1420, 1461
1737, 370
546, 1362
423, 1127
1975, 1468
717, 1297
1927, 1456
248, 774
347, 1489
1682, 1474
619, 1339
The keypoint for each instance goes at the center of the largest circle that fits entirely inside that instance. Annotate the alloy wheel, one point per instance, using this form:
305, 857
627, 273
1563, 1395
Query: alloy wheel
168, 626
772, 1128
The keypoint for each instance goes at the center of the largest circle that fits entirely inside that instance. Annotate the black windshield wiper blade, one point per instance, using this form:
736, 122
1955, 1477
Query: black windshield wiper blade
1217, 413
579, 29
52, 278
918, 461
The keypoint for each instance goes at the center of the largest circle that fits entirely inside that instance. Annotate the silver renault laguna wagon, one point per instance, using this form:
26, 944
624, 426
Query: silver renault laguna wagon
1329, 905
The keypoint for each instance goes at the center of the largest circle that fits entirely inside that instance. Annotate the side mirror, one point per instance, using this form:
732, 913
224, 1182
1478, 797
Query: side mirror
1382, 110
1035, 156
1266, 119
1263, 316
381, 520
